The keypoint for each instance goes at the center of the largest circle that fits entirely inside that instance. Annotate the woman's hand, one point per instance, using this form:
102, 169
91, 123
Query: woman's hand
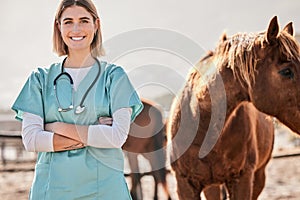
53, 127
62, 143
105, 121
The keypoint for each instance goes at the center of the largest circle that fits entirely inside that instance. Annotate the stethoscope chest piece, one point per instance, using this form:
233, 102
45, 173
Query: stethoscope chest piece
79, 109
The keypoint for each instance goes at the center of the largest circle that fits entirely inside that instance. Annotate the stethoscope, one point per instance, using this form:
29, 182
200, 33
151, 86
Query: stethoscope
80, 108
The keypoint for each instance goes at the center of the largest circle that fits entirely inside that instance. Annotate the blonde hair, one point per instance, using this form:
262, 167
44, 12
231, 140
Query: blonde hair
59, 46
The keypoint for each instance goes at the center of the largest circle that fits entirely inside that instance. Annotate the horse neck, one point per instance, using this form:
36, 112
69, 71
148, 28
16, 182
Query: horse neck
229, 93
235, 91
198, 115
216, 102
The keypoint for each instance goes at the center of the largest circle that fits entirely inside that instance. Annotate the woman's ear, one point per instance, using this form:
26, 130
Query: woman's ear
57, 24
97, 25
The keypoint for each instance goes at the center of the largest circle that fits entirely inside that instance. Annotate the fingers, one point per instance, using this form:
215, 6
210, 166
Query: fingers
105, 121
62, 143
48, 127
75, 146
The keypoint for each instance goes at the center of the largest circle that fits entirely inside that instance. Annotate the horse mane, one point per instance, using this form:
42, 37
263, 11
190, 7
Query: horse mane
239, 53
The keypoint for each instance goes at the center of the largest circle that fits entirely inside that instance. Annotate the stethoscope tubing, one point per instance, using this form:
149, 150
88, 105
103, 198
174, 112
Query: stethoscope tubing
80, 108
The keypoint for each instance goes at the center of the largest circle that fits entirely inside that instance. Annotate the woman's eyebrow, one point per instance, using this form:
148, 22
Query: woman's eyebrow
86, 18
81, 18
67, 18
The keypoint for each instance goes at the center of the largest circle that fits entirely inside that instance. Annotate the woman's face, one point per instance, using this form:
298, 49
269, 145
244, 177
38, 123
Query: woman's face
77, 28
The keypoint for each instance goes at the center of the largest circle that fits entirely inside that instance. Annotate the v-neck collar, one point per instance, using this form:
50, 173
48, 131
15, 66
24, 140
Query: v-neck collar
78, 74
88, 79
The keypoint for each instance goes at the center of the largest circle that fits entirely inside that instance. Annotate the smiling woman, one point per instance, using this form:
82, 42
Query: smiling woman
77, 28
65, 125
80, 22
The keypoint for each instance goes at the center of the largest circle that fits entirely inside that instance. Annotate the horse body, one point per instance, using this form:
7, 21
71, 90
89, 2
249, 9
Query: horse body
259, 71
250, 136
147, 137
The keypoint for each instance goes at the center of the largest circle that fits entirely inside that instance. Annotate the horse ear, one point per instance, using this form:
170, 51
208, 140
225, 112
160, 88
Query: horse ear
223, 37
289, 28
273, 30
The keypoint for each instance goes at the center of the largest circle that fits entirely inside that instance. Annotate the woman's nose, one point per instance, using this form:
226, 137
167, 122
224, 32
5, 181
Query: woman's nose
76, 27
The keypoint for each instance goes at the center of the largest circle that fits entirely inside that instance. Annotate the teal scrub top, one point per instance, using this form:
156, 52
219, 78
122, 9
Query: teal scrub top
86, 173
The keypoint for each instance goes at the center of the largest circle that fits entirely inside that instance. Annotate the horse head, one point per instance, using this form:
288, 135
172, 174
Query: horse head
272, 74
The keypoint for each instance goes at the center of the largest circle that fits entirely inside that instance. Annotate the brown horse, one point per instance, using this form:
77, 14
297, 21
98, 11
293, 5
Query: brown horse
246, 71
147, 137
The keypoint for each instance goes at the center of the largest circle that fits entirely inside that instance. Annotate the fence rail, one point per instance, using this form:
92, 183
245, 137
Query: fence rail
13, 155
12, 141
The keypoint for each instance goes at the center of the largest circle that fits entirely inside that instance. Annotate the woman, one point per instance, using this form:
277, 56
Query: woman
67, 111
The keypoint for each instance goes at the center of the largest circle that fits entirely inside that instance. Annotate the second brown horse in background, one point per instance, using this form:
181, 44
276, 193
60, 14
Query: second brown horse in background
147, 137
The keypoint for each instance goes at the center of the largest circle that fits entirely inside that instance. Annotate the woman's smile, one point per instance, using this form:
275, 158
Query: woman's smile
77, 38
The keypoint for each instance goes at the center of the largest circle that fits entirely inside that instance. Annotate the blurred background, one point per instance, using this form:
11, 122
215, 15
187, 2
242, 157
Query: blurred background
26, 32
156, 42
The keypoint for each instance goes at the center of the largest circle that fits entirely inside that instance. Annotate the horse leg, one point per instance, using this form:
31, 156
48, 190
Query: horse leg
259, 182
156, 180
136, 190
160, 176
165, 187
186, 190
223, 192
136, 187
241, 188
213, 192
163, 173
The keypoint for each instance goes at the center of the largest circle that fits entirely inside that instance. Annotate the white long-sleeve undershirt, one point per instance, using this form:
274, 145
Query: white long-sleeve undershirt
36, 139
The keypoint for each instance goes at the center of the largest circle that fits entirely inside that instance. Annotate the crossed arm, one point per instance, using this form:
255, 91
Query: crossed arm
59, 136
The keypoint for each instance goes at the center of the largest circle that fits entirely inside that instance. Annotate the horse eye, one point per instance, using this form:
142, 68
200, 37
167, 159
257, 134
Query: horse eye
287, 72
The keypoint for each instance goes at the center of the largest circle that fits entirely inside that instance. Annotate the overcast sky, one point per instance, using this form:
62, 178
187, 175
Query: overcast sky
181, 31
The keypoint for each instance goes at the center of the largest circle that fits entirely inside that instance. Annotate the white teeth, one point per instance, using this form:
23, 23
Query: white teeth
77, 38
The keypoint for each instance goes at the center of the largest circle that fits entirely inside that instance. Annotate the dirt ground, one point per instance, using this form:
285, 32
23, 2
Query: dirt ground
283, 182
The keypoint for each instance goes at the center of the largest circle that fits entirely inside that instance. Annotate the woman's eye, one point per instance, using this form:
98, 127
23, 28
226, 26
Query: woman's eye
287, 72
68, 22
